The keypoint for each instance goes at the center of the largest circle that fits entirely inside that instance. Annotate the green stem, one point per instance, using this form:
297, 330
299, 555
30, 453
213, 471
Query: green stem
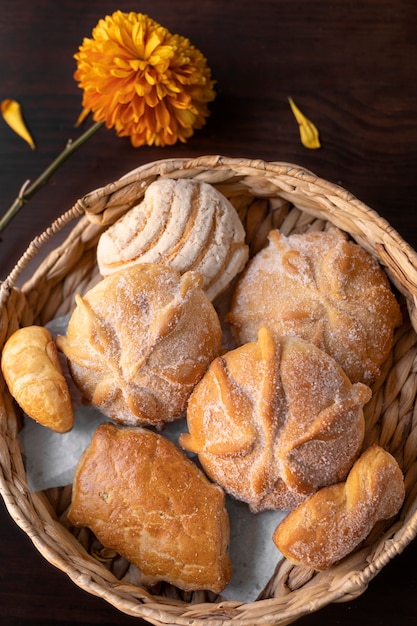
28, 190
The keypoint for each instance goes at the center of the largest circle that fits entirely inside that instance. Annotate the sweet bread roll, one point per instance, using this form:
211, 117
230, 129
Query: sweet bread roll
139, 341
325, 289
33, 374
336, 519
274, 420
142, 497
186, 224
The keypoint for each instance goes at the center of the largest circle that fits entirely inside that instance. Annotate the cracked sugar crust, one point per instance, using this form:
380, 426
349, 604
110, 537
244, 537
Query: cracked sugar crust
142, 497
274, 420
325, 289
186, 224
334, 521
139, 341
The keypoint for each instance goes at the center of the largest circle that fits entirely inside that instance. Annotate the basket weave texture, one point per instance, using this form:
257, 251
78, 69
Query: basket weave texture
266, 196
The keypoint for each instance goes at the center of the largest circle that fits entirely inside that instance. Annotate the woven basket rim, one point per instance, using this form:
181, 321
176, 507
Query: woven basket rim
165, 167
395, 254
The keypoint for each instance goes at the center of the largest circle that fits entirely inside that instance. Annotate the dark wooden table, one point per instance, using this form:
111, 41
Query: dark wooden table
350, 66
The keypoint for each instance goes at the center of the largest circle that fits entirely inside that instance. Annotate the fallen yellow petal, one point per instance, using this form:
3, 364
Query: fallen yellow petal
308, 132
12, 115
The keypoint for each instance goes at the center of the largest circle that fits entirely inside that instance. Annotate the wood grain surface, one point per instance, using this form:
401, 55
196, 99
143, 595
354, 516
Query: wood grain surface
351, 66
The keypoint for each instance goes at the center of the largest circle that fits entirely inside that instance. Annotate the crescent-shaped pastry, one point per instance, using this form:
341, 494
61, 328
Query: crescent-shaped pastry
336, 519
325, 289
139, 341
142, 497
33, 374
274, 420
186, 224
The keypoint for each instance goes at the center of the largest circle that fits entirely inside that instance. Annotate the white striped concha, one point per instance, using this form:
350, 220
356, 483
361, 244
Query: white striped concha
185, 224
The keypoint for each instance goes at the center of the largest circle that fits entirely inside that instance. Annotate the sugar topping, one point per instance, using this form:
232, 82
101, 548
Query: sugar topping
273, 421
147, 334
186, 224
333, 521
325, 289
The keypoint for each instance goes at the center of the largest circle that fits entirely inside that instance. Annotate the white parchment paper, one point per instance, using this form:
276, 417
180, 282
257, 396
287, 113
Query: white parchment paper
51, 459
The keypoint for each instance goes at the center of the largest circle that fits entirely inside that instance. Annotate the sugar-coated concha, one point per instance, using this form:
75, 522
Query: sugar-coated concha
143, 497
335, 520
325, 289
186, 224
274, 420
139, 341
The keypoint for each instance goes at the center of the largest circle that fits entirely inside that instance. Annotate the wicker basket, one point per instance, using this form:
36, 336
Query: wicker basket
266, 195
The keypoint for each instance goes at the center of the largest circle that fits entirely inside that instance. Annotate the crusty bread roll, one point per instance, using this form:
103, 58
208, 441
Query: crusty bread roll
336, 519
186, 224
142, 497
274, 420
139, 341
325, 289
33, 374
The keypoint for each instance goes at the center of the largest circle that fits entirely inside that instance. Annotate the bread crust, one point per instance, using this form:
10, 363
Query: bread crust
144, 498
32, 371
185, 224
325, 289
336, 519
139, 341
274, 420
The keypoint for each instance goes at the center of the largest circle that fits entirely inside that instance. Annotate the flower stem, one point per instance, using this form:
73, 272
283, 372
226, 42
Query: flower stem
28, 190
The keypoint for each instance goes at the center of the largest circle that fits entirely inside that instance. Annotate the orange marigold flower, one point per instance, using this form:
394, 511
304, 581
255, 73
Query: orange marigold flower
145, 82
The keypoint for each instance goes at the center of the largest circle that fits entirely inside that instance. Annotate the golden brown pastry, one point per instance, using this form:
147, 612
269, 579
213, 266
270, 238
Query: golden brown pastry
336, 519
274, 420
186, 224
139, 341
33, 374
325, 289
142, 497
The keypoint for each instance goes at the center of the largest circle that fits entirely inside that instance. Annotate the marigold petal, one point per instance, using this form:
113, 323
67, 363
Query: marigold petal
150, 77
13, 116
162, 116
135, 64
138, 38
151, 98
182, 100
118, 73
309, 134
185, 117
152, 42
82, 116
141, 88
